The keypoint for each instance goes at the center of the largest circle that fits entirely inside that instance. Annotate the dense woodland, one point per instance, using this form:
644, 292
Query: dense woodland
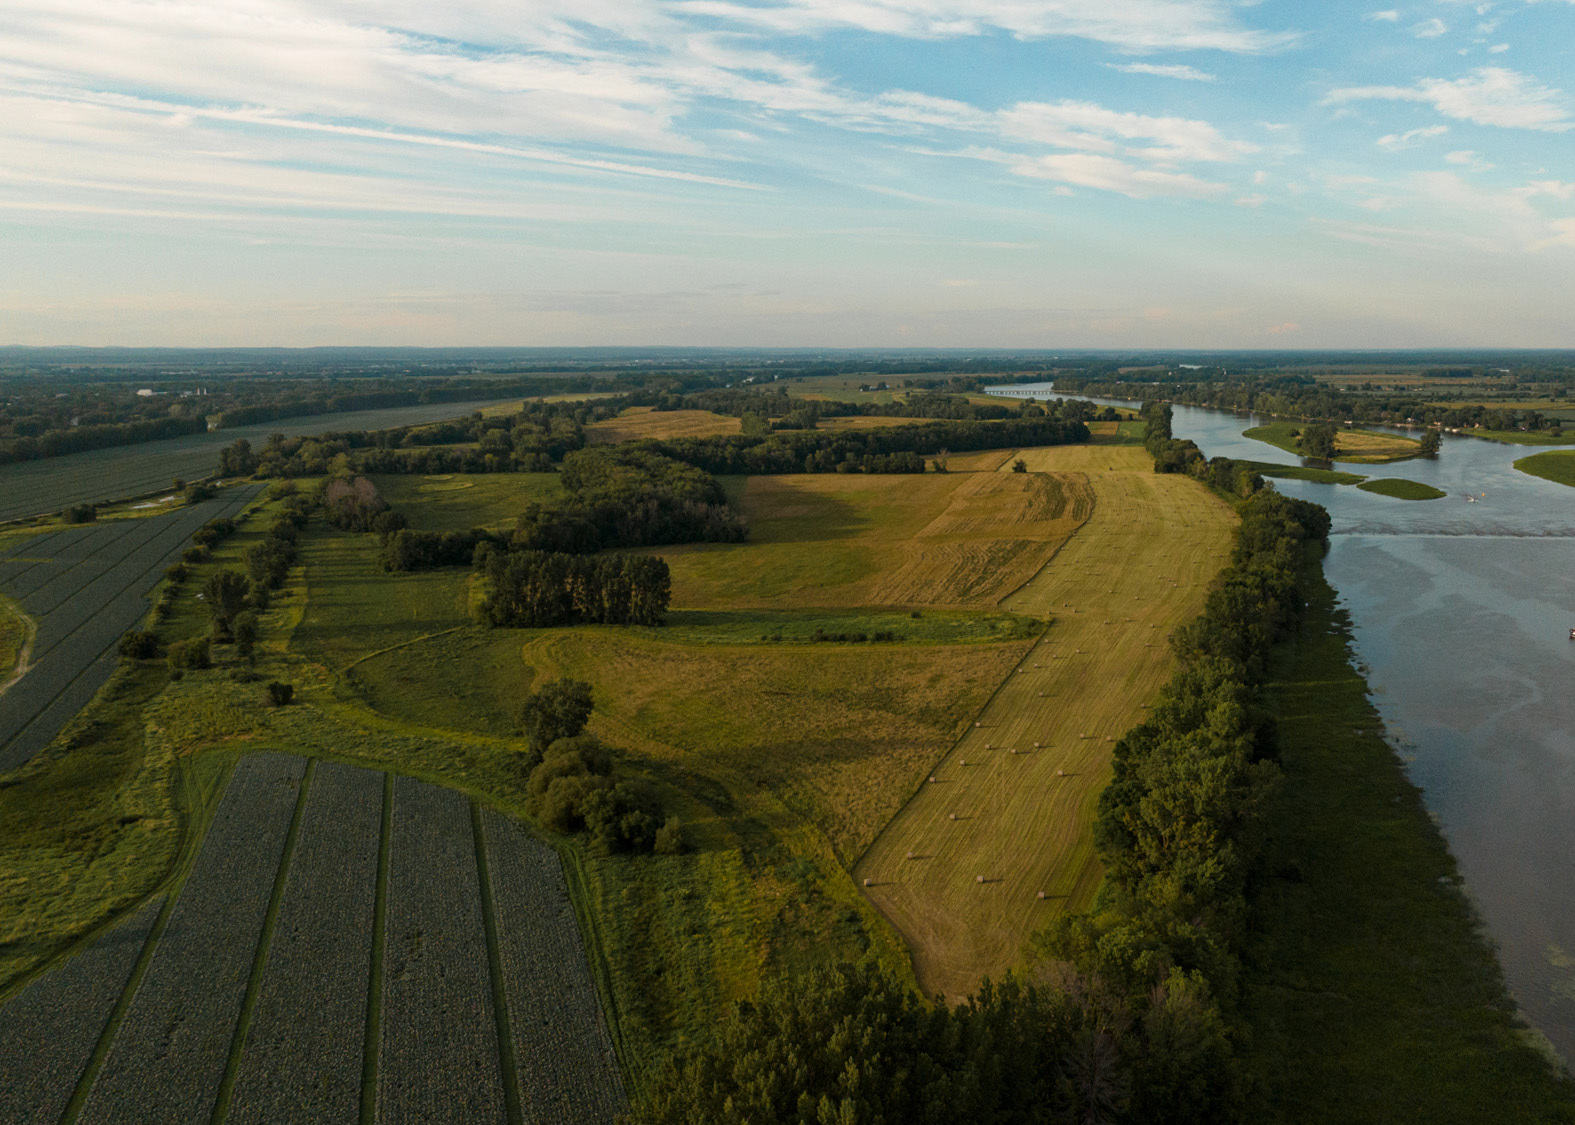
1303, 397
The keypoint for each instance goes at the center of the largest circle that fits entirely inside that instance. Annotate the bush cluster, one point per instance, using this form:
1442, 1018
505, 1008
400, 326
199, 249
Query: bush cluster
1173, 455
536, 589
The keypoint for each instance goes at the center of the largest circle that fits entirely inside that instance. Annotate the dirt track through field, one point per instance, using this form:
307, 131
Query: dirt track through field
1022, 822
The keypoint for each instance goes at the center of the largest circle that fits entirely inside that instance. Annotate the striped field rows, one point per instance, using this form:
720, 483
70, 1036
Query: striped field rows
268, 992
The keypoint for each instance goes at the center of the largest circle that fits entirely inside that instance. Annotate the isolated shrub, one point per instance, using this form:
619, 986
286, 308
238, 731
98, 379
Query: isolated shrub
245, 629
137, 645
178, 573
669, 838
280, 693
80, 513
559, 710
226, 592
190, 654
1019, 466
195, 493
193, 554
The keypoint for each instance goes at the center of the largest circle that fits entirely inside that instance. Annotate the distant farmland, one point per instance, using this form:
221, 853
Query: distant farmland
263, 991
33, 488
84, 587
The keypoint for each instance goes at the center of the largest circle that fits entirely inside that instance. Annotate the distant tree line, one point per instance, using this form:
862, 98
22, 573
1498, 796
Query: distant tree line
886, 449
1180, 455
81, 438
1303, 397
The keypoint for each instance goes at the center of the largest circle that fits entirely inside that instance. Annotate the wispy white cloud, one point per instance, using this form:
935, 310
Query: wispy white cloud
1388, 15
1393, 141
1134, 25
1174, 70
1489, 96
1467, 159
1430, 29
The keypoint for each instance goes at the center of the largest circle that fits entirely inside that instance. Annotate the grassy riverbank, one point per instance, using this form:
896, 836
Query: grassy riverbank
1372, 995
1557, 467
1361, 446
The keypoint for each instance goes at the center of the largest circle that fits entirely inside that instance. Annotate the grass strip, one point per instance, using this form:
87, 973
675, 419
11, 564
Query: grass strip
221, 1105
1402, 489
1304, 472
117, 1017
1557, 467
500, 1007
374, 988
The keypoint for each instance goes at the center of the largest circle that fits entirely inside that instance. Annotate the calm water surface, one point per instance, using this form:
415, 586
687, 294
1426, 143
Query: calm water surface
1462, 612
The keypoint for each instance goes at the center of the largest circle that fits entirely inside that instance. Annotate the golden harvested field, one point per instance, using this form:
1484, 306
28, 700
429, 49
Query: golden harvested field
1361, 445
840, 734
827, 540
1022, 821
645, 422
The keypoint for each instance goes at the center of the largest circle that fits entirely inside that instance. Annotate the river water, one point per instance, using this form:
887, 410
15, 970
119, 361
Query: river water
1462, 614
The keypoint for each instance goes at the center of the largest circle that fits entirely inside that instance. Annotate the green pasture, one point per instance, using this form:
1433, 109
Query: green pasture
460, 501
1557, 467
1362, 446
1402, 489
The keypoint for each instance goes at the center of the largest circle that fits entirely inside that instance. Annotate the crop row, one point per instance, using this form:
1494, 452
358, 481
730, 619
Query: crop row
73, 653
32, 488
438, 1055
170, 1053
48, 1031
562, 1053
303, 1053
89, 547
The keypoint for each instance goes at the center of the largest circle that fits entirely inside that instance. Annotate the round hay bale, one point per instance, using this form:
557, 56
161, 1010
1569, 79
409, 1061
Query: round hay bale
1060, 773
932, 779
911, 855
978, 878
1041, 896
954, 816
866, 882
1036, 746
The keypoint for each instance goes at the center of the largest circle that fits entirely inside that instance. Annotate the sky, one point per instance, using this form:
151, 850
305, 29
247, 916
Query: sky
812, 173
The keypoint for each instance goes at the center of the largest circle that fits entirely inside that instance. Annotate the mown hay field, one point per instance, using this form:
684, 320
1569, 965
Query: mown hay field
647, 422
1023, 821
831, 540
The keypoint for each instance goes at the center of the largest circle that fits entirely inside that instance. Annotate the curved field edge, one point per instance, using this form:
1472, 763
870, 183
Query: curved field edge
1400, 489
960, 871
1558, 467
17, 631
1381, 448
1372, 991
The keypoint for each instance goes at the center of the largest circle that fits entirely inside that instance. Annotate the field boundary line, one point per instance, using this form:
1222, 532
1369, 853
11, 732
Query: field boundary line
1093, 510
374, 988
24, 652
500, 1004
117, 1015
578, 885
232, 1066
400, 645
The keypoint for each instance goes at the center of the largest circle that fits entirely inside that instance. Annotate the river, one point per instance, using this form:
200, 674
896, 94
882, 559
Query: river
1462, 613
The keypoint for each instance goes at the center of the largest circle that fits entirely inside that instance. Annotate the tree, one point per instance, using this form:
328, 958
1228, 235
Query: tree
1019, 466
280, 693
1431, 442
226, 593
559, 710
245, 627
1317, 442
139, 646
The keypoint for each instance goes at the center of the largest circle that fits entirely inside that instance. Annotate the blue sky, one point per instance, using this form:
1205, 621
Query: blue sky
956, 173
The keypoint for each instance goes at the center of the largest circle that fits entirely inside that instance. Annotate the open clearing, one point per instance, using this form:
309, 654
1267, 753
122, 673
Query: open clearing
246, 999
831, 540
1136, 570
460, 501
647, 422
32, 488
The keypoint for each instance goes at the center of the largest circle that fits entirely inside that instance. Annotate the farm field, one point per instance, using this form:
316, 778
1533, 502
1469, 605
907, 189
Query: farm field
1359, 446
15, 634
1557, 467
83, 587
1022, 822
647, 422
246, 998
33, 488
460, 501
